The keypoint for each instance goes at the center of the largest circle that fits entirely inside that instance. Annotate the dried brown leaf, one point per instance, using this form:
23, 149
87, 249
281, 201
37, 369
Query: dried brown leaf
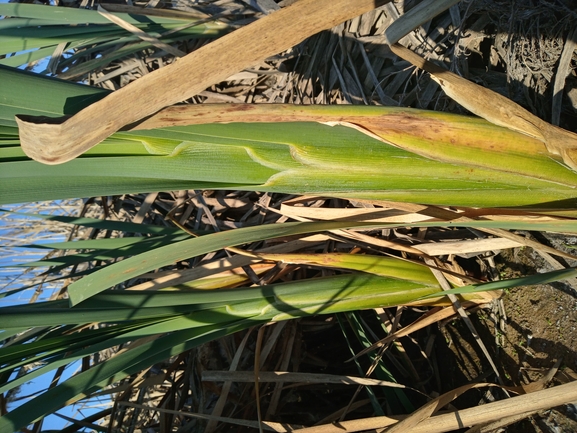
54, 141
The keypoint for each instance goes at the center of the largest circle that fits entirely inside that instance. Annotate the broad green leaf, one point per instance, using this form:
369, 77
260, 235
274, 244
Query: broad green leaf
298, 158
28, 93
383, 266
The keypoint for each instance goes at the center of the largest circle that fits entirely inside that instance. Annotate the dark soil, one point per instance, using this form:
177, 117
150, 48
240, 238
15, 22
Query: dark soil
538, 333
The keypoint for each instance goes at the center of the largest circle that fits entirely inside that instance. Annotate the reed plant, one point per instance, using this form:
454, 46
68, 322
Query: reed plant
420, 169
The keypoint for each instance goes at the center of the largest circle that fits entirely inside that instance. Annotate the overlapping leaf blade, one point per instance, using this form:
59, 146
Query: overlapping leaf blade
34, 31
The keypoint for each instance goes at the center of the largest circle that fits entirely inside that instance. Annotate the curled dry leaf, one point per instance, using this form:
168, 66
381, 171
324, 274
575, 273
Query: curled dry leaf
54, 141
